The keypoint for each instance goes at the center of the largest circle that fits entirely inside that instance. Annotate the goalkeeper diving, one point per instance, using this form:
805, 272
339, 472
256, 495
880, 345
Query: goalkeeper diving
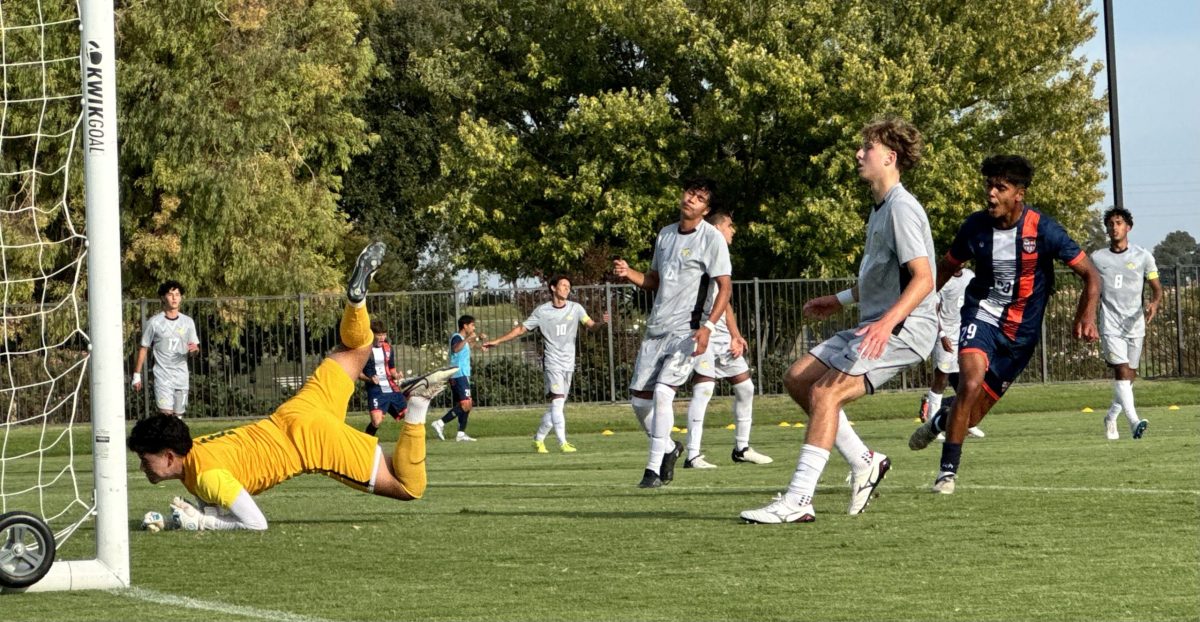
306, 434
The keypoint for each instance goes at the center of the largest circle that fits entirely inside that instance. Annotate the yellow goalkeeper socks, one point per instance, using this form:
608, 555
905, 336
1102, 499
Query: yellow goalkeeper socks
408, 459
355, 328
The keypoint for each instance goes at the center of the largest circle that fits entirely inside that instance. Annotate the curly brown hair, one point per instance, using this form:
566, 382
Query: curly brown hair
899, 136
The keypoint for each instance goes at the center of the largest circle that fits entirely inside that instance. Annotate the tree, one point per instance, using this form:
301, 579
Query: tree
387, 189
576, 120
1179, 248
236, 123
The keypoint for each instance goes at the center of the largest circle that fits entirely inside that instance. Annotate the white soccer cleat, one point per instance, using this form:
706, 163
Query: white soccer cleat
1110, 429
463, 438
439, 428
428, 385
698, 463
780, 511
976, 432
944, 484
862, 485
749, 455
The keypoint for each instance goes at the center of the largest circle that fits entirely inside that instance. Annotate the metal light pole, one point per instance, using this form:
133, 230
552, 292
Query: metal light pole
1110, 47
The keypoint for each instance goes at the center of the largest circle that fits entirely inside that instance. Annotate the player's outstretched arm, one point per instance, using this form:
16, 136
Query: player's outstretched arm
243, 513
1085, 313
517, 331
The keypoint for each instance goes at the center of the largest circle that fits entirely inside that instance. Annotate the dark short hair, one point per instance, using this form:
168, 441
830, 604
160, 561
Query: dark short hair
159, 432
464, 320
378, 327
899, 136
703, 183
169, 285
553, 282
1011, 168
1118, 211
716, 217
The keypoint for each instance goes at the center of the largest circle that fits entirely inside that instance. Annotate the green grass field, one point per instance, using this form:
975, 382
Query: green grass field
1050, 522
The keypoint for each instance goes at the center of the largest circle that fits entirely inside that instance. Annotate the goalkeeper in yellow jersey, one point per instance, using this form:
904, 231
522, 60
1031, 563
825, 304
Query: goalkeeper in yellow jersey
307, 434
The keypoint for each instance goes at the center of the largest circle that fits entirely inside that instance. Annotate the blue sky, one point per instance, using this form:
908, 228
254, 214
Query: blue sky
1158, 93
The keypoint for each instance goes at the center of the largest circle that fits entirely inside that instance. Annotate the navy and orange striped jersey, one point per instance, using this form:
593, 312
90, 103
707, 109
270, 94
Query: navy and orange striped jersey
379, 366
1014, 270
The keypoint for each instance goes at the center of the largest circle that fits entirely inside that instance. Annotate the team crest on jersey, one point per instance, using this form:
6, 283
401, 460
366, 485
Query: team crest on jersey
1029, 244
1131, 266
685, 253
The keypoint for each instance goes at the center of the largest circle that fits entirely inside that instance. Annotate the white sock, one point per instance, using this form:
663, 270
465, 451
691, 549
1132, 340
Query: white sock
642, 409
743, 405
417, 409
935, 401
808, 470
558, 419
547, 424
851, 446
701, 395
661, 423
1115, 408
1124, 391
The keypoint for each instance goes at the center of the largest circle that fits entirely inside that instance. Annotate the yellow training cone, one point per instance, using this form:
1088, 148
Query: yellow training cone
917, 420
731, 427
607, 433
784, 424
1086, 409
676, 429
1173, 407
797, 425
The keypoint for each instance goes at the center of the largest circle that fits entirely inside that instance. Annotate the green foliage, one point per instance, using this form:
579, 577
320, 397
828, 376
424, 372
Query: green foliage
236, 123
1178, 248
577, 119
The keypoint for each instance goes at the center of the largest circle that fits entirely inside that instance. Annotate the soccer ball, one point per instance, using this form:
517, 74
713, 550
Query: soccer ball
153, 522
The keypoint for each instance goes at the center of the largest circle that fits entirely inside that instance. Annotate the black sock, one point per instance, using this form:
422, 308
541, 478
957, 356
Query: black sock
450, 415
462, 420
951, 455
371, 429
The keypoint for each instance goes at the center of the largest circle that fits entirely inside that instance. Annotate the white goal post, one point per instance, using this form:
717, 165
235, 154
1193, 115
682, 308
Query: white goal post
96, 136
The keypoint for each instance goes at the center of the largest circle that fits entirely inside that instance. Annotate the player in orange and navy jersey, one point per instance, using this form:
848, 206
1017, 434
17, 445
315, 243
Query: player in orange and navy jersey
306, 434
1014, 247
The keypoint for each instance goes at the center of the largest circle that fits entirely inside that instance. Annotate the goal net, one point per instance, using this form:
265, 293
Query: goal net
62, 458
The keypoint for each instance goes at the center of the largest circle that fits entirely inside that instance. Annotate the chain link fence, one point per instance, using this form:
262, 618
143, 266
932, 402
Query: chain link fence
255, 352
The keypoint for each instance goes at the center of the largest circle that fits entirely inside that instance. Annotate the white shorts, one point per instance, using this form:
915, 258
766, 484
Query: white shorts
666, 359
840, 352
717, 362
1121, 350
167, 397
943, 361
558, 382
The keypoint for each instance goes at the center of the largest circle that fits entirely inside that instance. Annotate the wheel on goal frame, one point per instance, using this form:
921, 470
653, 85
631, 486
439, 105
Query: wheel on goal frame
26, 549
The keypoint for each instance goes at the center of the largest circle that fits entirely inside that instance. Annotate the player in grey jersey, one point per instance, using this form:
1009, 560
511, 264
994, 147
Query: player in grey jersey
684, 253
1123, 269
898, 323
558, 321
723, 359
173, 337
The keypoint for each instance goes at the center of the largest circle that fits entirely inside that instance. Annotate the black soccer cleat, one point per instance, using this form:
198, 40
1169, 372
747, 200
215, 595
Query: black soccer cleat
364, 268
650, 479
666, 472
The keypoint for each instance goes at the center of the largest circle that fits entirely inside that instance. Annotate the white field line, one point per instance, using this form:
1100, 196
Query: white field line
963, 487
174, 600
